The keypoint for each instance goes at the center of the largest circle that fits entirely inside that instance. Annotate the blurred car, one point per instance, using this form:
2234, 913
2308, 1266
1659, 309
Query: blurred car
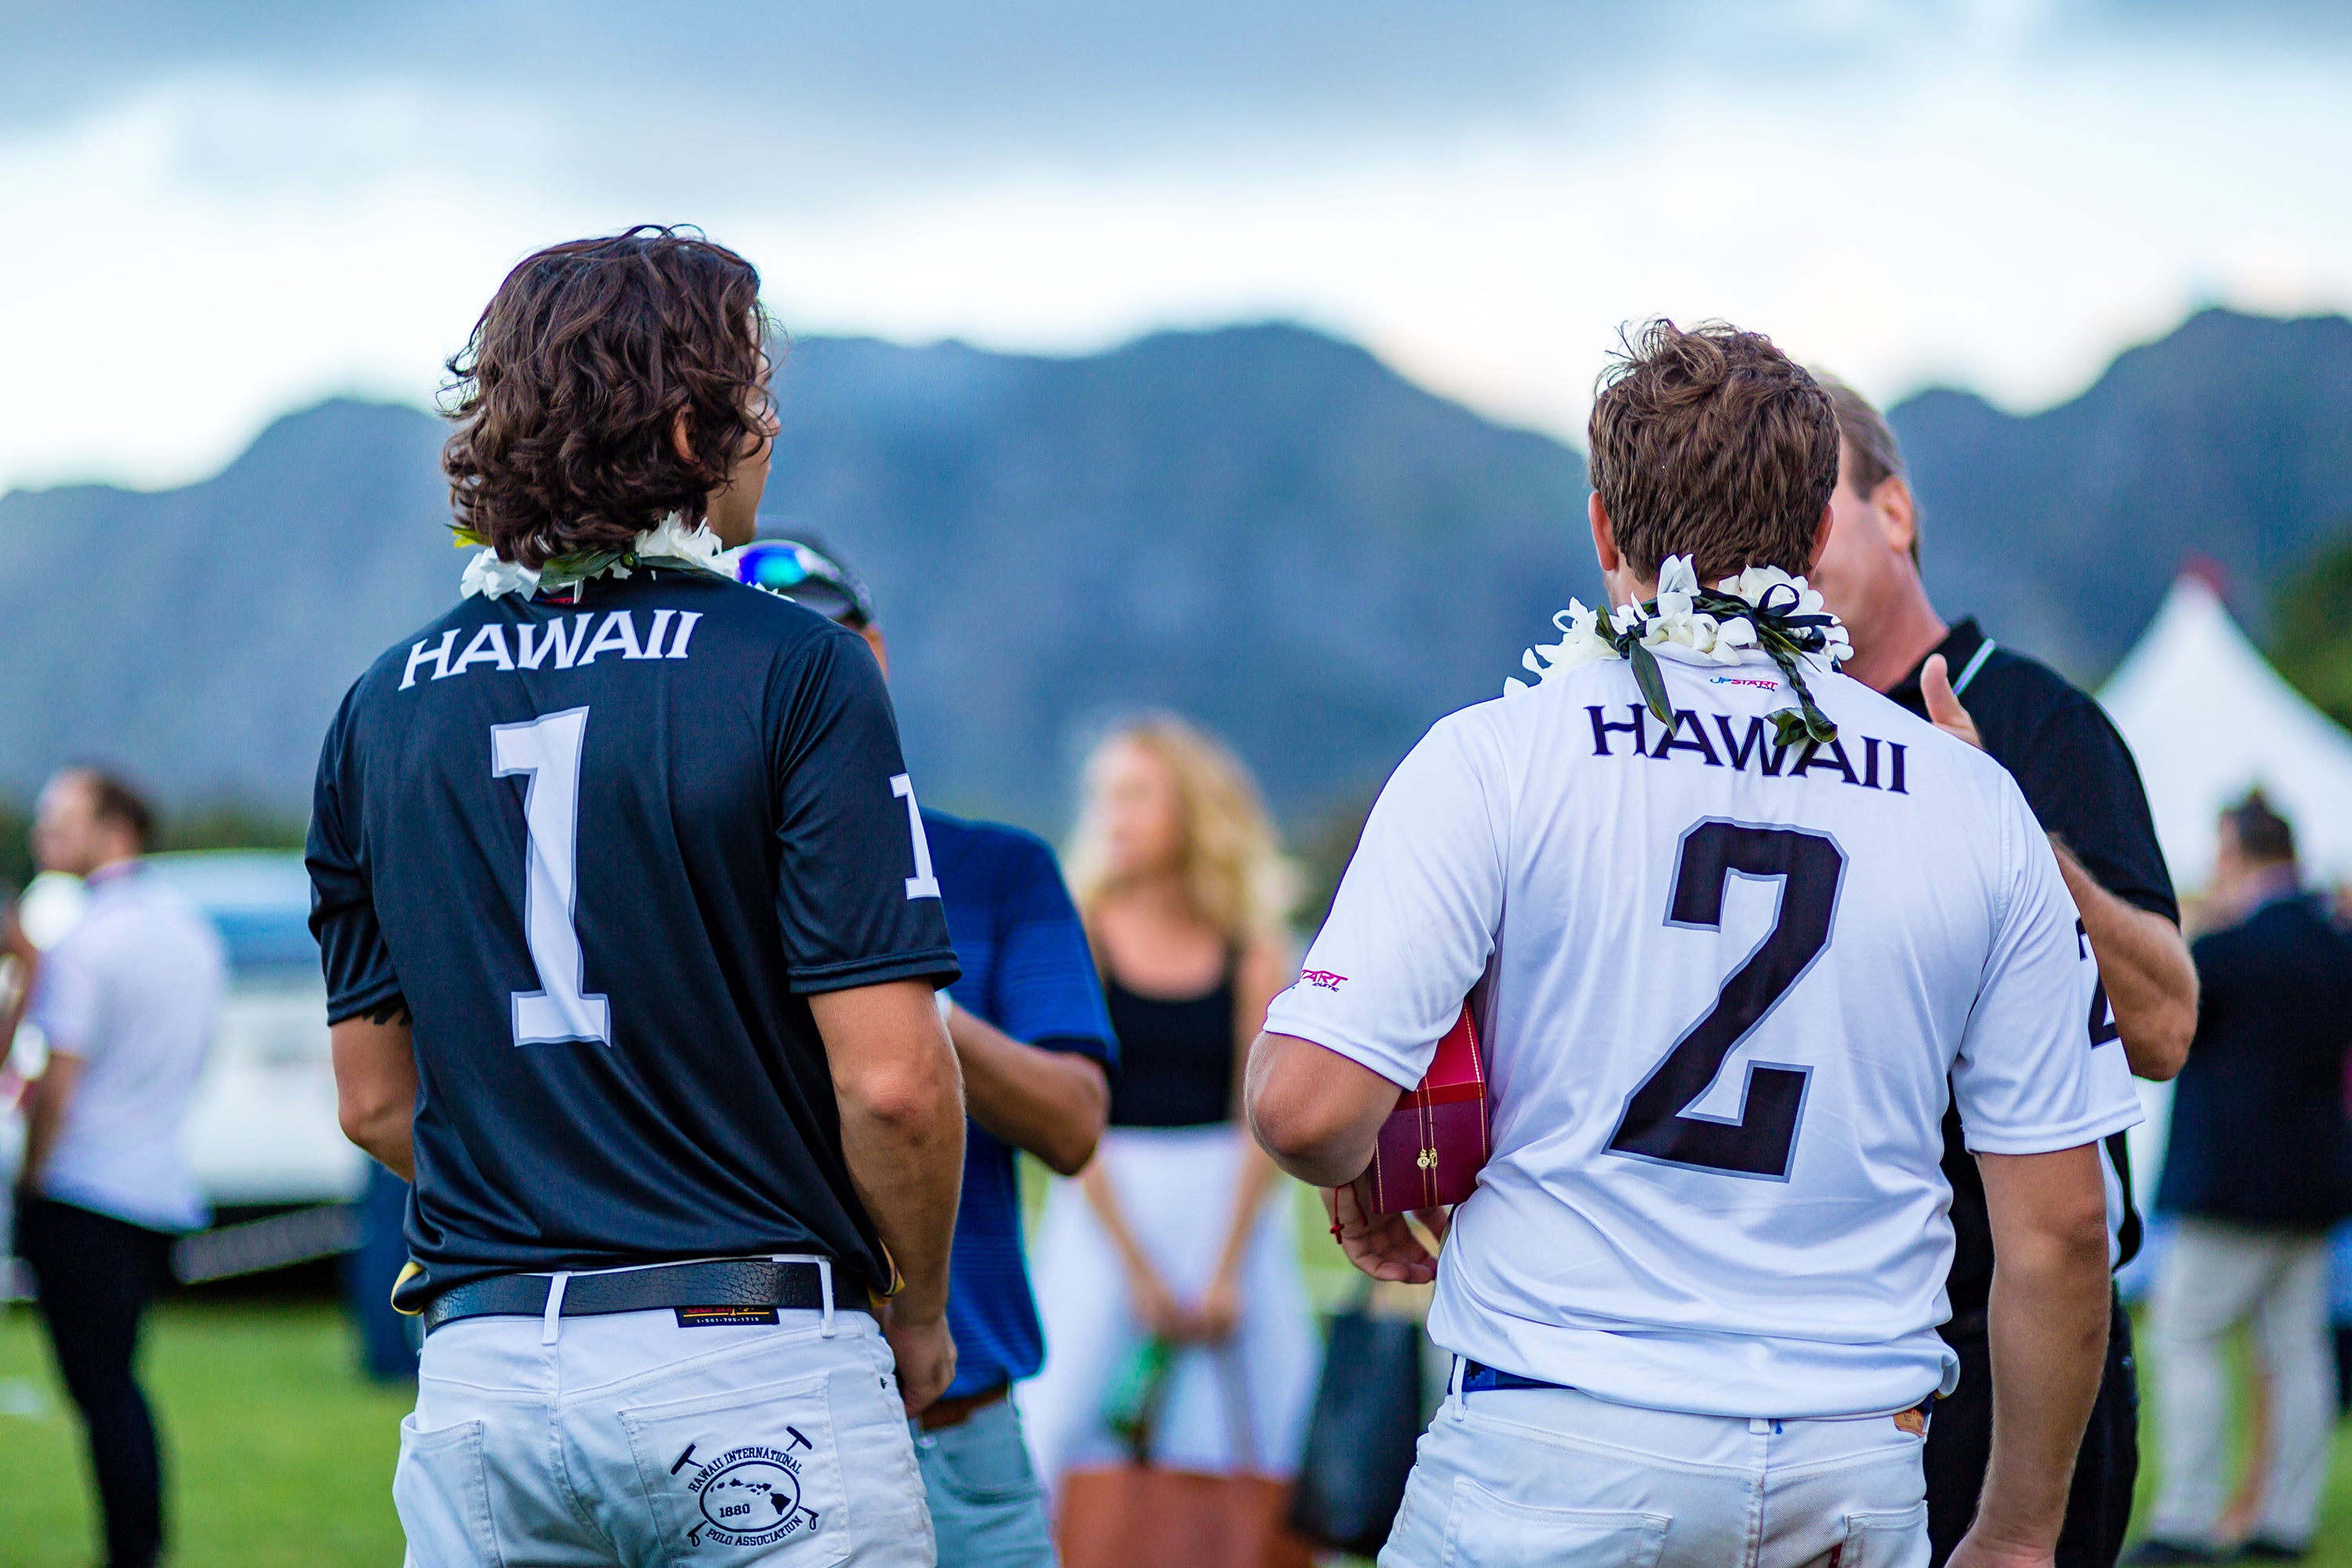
262, 1131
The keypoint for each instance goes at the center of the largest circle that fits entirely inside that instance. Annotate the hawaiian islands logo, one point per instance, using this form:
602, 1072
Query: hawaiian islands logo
1324, 978
751, 1496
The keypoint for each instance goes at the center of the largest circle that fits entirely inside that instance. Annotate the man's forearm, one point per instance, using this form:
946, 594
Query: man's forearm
1050, 1104
45, 1114
2049, 1310
2151, 981
901, 1101
376, 1085
906, 1164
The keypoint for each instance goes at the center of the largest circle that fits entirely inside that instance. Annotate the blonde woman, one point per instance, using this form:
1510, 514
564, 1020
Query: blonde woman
1178, 1228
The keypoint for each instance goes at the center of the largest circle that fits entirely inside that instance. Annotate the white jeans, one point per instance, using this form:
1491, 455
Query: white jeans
627, 1440
1516, 1478
2216, 1277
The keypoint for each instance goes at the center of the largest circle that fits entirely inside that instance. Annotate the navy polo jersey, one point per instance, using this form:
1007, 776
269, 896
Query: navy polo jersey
603, 849
1028, 971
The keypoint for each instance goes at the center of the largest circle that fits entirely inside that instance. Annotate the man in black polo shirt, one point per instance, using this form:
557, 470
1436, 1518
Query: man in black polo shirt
630, 961
2080, 779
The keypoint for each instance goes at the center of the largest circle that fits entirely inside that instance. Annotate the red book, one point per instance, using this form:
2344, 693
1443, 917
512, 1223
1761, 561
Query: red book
1433, 1143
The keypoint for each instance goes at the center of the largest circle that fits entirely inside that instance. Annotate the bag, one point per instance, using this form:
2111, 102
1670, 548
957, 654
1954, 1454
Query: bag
1433, 1143
1369, 1415
1141, 1515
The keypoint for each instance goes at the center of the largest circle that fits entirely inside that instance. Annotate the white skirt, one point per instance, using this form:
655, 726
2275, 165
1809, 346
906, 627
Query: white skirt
1240, 1406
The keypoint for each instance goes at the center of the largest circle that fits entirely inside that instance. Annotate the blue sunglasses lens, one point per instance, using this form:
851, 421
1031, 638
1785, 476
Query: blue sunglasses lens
772, 569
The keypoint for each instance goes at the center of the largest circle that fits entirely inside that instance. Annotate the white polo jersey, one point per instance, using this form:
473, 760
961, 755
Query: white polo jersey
1723, 986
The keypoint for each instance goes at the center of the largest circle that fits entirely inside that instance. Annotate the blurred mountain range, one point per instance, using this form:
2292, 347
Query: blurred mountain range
1257, 525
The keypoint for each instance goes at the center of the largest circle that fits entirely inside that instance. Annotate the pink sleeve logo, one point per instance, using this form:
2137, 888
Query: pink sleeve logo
1324, 978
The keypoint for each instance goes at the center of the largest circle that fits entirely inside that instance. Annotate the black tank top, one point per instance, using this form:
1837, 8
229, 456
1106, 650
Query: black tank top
1175, 1057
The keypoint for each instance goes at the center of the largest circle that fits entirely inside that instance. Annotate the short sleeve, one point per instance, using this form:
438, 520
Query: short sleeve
1413, 923
68, 1000
352, 955
856, 896
1048, 992
2081, 780
2030, 1077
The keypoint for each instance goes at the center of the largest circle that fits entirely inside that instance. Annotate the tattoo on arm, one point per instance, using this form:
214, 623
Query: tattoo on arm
393, 1011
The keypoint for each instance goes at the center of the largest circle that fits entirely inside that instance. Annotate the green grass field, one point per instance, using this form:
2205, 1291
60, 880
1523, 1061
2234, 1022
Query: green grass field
280, 1454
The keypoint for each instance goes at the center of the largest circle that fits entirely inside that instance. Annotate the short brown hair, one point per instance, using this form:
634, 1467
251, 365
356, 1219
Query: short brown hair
2263, 835
1713, 443
113, 798
566, 392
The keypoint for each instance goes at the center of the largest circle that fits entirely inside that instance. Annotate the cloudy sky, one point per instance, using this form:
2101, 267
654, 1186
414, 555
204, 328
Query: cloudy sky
220, 218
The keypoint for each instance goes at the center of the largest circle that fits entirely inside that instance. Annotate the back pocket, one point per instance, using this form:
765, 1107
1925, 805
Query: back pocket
984, 1462
1889, 1538
747, 1467
1483, 1531
441, 1489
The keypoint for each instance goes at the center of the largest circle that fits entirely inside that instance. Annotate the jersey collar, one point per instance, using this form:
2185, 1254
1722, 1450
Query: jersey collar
1965, 648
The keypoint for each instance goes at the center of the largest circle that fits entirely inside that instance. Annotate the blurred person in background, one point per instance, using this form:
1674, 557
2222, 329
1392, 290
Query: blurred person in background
1175, 1232
126, 1000
1028, 1024
2084, 788
2257, 1170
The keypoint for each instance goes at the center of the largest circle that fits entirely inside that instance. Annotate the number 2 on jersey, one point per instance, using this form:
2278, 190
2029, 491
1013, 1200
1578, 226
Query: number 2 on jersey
546, 752
1658, 1123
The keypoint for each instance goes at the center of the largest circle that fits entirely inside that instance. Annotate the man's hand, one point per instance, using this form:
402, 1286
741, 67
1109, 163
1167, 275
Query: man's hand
1944, 709
1383, 1246
1976, 1553
925, 1353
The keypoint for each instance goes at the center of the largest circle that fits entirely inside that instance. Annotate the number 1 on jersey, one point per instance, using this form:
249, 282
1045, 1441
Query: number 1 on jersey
922, 884
1658, 1123
546, 752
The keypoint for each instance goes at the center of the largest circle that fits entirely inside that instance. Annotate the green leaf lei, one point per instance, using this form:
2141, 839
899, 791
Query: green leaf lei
1782, 633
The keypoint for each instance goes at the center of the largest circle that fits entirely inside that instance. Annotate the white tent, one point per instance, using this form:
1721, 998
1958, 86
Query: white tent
2209, 719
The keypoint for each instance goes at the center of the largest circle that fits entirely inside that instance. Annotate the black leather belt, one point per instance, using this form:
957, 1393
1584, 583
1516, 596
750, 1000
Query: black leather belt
754, 1282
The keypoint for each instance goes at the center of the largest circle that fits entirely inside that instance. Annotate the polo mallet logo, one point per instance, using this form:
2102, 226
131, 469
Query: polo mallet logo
751, 1496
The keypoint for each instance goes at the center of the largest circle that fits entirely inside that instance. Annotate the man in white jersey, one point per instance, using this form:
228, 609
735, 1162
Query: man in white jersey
1729, 921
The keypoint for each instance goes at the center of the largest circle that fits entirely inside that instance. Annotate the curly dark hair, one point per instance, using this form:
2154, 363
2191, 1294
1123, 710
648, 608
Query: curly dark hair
566, 394
1712, 443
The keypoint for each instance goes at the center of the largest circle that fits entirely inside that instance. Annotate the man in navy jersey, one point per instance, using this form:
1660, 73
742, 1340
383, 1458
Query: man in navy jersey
1034, 1039
631, 936
2079, 777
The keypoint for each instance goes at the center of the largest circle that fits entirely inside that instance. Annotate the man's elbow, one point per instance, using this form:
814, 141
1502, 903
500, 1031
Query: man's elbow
372, 1121
2159, 1044
1302, 1143
1077, 1135
910, 1100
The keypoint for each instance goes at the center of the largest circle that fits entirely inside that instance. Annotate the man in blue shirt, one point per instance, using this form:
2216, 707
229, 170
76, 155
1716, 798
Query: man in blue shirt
1029, 1028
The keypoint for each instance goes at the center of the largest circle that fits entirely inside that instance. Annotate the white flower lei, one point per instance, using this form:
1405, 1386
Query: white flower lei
671, 538
1693, 625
